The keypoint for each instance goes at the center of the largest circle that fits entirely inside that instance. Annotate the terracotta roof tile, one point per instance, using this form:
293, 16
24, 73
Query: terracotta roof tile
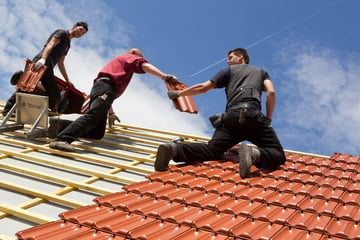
57, 229
183, 103
254, 229
309, 197
297, 201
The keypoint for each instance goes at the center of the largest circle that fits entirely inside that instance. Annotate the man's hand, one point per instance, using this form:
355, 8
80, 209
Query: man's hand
173, 94
39, 64
170, 78
112, 118
268, 122
70, 84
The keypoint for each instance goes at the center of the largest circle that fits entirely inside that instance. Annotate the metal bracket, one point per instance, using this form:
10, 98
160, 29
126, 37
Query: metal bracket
30, 109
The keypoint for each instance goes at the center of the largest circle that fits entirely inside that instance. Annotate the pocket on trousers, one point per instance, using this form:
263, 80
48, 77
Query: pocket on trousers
216, 120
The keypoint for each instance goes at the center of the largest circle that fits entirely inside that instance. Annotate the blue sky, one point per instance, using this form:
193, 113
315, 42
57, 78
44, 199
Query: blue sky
310, 49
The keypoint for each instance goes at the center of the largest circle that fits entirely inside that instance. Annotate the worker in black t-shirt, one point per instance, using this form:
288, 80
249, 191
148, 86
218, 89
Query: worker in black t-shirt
54, 52
241, 121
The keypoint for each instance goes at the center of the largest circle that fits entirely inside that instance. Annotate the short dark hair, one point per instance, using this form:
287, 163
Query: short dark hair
240, 51
82, 24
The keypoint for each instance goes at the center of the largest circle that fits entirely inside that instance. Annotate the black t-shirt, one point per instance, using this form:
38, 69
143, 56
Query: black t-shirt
242, 82
59, 50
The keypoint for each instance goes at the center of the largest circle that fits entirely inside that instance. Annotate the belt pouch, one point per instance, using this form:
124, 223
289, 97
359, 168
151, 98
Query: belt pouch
216, 120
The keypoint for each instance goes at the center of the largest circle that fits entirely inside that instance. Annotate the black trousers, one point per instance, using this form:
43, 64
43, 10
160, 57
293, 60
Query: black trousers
93, 123
255, 129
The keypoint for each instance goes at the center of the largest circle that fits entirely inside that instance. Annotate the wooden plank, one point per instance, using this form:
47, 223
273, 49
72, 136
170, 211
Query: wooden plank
25, 214
127, 156
98, 160
54, 179
170, 133
4, 237
40, 194
87, 158
61, 191
71, 168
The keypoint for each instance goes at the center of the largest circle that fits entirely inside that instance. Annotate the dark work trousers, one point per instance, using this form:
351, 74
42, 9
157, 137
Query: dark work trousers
50, 85
93, 123
52, 90
255, 129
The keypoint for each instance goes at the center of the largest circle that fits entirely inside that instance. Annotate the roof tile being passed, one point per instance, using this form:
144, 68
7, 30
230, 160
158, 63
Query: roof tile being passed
183, 103
309, 197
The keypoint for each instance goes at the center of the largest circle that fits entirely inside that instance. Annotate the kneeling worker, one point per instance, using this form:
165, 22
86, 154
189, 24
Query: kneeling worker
241, 121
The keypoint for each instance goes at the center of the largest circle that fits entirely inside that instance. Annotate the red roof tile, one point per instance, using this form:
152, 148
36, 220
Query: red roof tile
307, 198
183, 103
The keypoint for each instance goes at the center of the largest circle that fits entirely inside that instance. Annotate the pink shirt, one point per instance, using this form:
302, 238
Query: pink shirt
121, 69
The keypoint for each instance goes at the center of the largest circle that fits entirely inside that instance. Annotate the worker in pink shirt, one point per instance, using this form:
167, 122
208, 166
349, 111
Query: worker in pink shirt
111, 82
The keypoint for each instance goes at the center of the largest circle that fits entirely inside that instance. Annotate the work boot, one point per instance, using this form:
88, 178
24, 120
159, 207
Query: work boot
164, 154
248, 156
16, 77
54, 127
4, 113
63, 146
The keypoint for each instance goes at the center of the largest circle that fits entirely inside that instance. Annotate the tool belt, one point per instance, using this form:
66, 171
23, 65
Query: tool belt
249, 104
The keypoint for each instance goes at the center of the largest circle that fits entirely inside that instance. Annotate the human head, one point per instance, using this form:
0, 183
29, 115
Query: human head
239, 52
136, 51
78, 30
81, 24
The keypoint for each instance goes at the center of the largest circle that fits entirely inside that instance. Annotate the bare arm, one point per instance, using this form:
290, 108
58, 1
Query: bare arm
62, 69
197, 89
151, 69
49, 47
270, 98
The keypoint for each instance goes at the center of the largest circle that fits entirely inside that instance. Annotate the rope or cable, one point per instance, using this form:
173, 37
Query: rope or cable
270, 35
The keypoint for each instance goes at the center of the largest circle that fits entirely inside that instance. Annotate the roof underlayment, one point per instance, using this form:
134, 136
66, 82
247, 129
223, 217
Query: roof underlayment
108, 189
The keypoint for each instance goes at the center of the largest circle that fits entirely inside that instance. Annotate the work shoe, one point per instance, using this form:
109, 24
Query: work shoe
16, 77
248, 156
54, 127
164, 154
63, 146
4, 113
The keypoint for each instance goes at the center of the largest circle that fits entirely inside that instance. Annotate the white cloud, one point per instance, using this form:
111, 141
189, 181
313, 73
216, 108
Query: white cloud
30, 23
321, 108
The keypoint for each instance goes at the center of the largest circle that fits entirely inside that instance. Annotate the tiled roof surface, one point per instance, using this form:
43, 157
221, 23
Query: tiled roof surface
309, 197
37, 183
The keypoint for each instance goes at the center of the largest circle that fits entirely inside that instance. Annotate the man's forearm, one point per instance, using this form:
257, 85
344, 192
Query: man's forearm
151, 69
191, 91
270, 105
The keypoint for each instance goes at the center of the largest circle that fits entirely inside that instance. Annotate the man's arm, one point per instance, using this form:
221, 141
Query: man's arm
197, 89
151, 69
62, 69
46, 52
49, 47
270, 98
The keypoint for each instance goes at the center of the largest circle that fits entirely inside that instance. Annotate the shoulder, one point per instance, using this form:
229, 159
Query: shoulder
130, 58
264, 74
60, 33
221, 74
221, 78
224, 72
